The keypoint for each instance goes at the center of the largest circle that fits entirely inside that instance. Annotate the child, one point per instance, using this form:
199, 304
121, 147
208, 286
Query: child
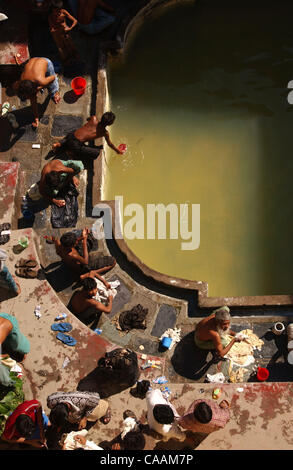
59, 30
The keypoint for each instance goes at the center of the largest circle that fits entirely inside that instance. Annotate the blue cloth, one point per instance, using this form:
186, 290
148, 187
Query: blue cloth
15, 341
53, 87
7, 281
36, 434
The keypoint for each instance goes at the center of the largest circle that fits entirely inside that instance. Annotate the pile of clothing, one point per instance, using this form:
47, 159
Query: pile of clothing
241, 356
134, 318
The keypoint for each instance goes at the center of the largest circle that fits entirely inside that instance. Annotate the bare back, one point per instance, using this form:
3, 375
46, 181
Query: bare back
70, 258
35, 70
90, 130
206, 329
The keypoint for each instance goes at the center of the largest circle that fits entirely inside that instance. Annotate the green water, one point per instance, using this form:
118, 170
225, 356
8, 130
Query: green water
200, 97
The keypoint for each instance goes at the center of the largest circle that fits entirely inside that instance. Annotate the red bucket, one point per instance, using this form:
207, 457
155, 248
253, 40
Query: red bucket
122, 147
262, 374
78, 85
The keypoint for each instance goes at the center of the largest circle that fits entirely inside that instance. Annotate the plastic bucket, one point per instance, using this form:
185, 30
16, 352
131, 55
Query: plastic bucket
262, 374
278, 328
78, 85
122, 147
166, 342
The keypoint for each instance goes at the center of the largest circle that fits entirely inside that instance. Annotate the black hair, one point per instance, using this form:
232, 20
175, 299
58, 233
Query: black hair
203, 413
163, 414
68, 239
107, 119
89, 284
52, 179
134, 440
59, 414
25, 426
26, 89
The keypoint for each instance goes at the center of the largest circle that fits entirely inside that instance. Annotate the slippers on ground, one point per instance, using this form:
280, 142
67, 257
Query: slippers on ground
4, 239
26, 263
5, 226
28, 273
66, 339
63, 327
106, 418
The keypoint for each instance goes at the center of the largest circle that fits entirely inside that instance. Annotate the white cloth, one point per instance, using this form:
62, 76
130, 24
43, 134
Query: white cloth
34, 192
104, 293
216, 378
128, 425
174, 334
168, 431
69, 443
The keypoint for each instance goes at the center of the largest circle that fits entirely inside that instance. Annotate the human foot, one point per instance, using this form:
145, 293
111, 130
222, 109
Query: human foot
56, 146
75, 181
36, 122
106, 418
57, 97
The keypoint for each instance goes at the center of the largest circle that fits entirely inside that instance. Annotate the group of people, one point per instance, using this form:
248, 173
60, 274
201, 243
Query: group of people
28, 423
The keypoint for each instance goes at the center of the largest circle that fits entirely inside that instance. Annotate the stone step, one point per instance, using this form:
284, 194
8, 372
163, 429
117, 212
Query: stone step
8, 183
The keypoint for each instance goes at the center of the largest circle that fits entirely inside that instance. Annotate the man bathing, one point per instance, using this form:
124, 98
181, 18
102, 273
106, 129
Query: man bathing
37, 74
74, 142
212, 332
67, 248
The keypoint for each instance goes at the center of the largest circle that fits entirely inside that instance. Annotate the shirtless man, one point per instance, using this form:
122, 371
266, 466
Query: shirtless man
55, 176
83, 302
93, 129
66, 249
59, 30
211, 332
37, 74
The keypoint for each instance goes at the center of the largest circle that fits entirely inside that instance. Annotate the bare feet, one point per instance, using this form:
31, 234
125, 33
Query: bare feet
18, 286
56, 146
106, 418
57, 97
75, 181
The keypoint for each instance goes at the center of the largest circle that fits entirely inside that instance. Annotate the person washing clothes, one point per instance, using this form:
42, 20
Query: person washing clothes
212, 332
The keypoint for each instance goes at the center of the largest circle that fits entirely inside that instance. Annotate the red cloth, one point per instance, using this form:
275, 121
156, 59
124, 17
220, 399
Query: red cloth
220, 416
28, 408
